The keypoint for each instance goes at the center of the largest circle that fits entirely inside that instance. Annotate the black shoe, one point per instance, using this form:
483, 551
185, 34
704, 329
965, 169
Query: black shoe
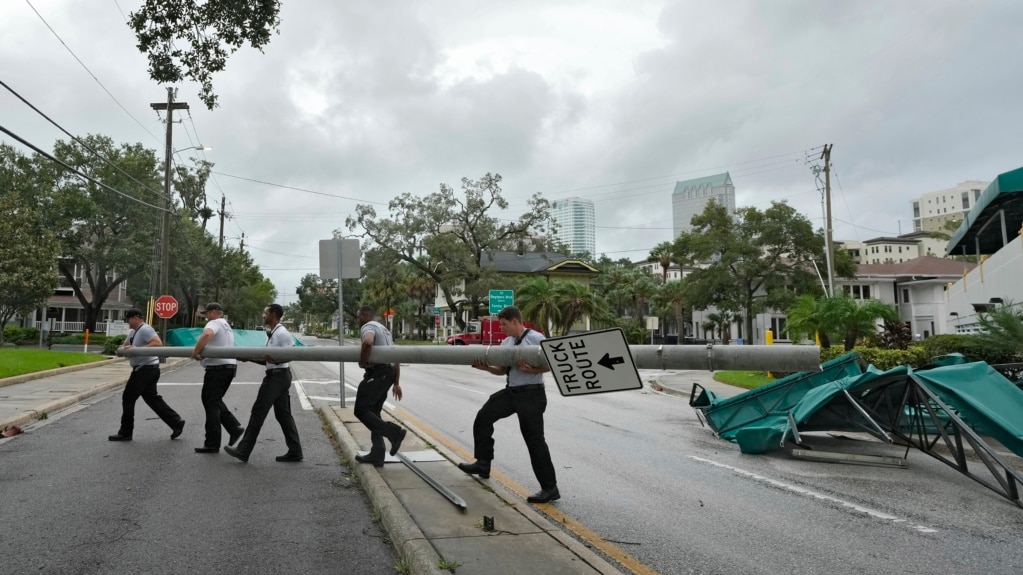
396, 443
368, 458
289, 457
119, 437
235, 435
236, 454
480, 467
544, 495
177, 429
205, 449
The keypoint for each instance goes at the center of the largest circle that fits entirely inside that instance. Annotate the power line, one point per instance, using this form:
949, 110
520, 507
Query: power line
74, 170
82, 64
81, 143
298, 189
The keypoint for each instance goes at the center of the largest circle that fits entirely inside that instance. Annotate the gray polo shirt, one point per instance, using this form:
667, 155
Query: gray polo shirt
139, 338
381, 335
223, 336
516, 376
279, 337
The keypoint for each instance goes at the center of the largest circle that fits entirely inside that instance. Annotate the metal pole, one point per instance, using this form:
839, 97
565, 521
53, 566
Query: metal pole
340, 321
789, 358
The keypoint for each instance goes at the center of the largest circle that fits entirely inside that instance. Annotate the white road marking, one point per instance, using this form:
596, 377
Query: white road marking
467, 389
302, 397
199, 383
801, 491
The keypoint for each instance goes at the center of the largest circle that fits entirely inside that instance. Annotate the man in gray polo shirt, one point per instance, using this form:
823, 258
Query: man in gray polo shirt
524, 396
215, 383
145, 373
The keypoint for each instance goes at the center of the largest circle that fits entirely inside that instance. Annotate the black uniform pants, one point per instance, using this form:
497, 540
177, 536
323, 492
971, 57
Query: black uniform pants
369, 402
215, 384
142, 383
275, 391
529, 404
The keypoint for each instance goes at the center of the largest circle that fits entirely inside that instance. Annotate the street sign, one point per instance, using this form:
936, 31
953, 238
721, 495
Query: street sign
500, 299
340, 255
166, 307
591, 362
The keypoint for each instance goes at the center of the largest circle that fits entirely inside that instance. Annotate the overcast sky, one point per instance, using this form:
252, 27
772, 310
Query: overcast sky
608, 100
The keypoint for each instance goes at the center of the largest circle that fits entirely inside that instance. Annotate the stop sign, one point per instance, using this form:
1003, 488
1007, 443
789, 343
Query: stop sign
166, 307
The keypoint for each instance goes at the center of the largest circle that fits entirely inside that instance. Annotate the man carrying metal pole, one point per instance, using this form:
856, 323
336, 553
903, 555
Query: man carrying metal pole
369, 399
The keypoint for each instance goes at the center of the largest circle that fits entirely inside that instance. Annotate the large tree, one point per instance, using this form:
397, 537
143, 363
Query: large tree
447, 237
106, 233
752, 260
28, 251
188, 39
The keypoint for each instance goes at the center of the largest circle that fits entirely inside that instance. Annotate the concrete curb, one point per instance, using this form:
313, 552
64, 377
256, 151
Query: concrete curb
58, 371
65, 402
413, 547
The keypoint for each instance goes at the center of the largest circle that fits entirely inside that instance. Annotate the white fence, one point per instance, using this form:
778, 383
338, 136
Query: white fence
71, 326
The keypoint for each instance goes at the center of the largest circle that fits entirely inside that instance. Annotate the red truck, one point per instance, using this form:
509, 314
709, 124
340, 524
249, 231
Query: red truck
485, 331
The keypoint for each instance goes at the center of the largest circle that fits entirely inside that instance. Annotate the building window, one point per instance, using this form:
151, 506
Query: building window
778, 327
905, 295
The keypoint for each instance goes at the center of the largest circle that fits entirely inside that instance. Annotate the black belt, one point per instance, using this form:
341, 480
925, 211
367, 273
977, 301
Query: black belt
278, 369
518, 388
228, 366
138, 367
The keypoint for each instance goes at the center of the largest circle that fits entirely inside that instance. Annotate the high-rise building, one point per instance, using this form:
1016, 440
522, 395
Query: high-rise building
932, 210
576, 226
691, 197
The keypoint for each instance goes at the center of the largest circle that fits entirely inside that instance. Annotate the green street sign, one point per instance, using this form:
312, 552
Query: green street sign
436, 311
500, 299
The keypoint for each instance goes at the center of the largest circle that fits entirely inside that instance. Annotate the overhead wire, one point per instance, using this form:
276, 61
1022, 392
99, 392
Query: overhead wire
75, 171
86, 68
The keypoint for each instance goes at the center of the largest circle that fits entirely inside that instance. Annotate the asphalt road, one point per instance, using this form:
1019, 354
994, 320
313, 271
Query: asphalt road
73, 502
637, 469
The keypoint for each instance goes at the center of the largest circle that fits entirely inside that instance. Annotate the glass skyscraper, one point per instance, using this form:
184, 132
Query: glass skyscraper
576, 224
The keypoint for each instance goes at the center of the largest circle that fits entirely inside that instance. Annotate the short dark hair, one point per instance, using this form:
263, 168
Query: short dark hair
368, 309
214, 306
276, 309
509, 313
133, 312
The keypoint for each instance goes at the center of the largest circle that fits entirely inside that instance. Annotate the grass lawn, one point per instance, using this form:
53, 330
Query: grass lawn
19, 361
744, 379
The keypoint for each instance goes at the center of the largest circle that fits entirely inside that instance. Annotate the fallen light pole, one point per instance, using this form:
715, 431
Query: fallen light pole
788, 358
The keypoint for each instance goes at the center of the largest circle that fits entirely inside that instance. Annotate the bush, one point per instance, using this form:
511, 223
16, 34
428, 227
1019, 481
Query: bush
112, 343
971, 346
883, 359
13, 334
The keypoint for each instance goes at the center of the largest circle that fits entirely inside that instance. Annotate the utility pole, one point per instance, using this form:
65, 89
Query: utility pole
168, 205
223, 206
829, 240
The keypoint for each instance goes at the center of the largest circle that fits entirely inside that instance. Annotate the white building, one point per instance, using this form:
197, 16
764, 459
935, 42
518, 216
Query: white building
691, 197
932, 210
894, 250
576, 224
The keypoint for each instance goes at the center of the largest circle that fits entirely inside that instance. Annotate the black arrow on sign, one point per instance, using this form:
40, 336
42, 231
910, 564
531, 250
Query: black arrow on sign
610, 362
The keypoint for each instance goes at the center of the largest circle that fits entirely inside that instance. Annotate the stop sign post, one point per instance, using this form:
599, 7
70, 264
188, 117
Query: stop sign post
165, 307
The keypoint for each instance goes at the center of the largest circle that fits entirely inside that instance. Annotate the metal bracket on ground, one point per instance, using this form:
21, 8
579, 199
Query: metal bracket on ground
443, 490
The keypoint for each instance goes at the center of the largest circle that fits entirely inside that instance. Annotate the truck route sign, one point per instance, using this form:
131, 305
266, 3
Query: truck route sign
591, 362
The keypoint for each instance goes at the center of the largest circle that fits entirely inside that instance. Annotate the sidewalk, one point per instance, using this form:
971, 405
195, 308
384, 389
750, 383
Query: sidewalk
26, 398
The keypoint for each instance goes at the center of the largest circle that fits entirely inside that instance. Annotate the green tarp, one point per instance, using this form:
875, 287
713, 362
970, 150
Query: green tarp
187, 336
983, 398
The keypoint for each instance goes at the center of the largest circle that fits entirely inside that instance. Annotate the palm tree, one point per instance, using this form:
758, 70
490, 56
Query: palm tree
575, 302
538, 302
855, 319
806, 317
662, 255
672, 297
